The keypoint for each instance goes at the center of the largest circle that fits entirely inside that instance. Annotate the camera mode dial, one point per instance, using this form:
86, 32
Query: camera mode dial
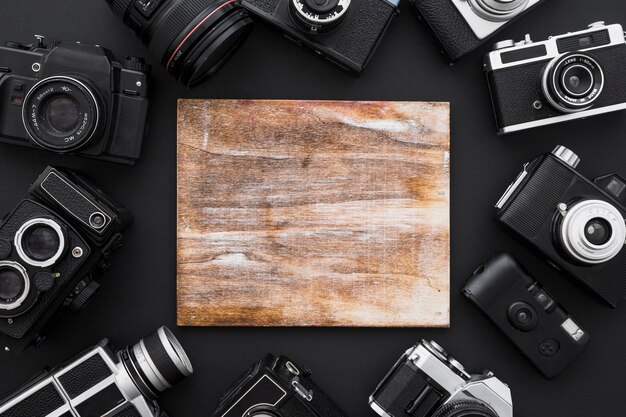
136, 63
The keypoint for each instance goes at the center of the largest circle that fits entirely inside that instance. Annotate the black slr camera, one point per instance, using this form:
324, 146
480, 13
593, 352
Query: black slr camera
344, 32
427, 382
276, 387
567, 77
60, 234
69, 97
526, 314
576, 223
461, 26
104, 382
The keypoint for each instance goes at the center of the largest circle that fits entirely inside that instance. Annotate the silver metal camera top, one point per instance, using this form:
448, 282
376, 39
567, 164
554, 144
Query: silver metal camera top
485, 17
566, 155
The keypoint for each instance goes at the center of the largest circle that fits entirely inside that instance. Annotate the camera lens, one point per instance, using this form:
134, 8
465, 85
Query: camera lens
318, 16
591, 231
498, 10
598, 231
14, 285
156, 363
465, 408
191, 38
523, 316
40, 242
572, 82
61, 114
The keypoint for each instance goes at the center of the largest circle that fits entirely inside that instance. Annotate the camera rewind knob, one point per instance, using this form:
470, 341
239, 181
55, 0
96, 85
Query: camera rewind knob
566, 155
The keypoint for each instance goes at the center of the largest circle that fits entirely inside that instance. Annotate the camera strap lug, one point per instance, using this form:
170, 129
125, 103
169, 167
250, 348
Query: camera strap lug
301, 389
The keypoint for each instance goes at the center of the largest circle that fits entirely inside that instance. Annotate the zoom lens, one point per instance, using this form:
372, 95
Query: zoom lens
156, 363
591, 231
191, 38
498, 10
40, 242
61, 114
572, 82
318, 16
14, 285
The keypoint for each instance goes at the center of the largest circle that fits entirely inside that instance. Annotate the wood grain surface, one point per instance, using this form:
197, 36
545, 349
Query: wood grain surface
294, 213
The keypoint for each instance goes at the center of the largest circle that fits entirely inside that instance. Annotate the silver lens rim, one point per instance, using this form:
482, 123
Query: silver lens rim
174, 350
20, 234
22, 271
498, 10
572, 231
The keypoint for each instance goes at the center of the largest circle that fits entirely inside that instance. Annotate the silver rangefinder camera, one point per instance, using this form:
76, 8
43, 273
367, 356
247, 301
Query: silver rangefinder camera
427, 382
103, 382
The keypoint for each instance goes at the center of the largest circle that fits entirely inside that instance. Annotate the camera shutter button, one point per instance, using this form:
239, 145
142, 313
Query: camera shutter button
549, 347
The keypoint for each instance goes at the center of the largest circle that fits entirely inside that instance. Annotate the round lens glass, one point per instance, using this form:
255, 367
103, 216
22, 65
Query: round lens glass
321, 6
62, 113
598, 231
577, 80
41, 242
524, 316
11, 284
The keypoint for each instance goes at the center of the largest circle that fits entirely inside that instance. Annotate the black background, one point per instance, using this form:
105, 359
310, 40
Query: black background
139, 291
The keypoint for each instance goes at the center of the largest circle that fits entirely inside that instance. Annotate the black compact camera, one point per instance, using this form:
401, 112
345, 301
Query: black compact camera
104, 382
576, 223
427, 382
461, 26
566, 77
344, 32
276, 387
69, 97
51, 245
191, 38
527, 315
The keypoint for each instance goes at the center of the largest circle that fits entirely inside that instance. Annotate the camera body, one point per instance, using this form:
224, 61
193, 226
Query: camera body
426, 382
577, 224
566, 77
73, 98
461, 26
526, 314
61, 233
275, 387
103, 382
344, 32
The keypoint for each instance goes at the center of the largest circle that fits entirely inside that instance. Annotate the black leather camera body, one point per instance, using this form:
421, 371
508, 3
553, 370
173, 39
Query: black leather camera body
461, 26
51, 245
526, 314
344, 32
567, 77
276, 387
577, 224
69, 97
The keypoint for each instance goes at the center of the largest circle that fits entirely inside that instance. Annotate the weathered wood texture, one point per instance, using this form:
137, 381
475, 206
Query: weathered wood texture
296, 213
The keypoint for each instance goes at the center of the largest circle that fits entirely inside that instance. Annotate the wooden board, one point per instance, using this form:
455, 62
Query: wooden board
304, 213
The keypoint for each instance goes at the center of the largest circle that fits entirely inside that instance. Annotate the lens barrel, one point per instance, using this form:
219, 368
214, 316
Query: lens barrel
318, 16
498, 10
156, 362
191, 38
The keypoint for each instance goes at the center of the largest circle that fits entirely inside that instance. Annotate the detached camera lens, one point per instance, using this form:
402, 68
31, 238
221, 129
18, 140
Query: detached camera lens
191, 38
40, 242
14, 285
523, 316
572, 82
157, 362
598, 231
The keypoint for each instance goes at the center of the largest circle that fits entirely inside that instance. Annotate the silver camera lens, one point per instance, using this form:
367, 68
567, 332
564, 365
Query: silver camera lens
498, 10
40, 242
572, 82
14, 285
156, 362
319, 16
592, 231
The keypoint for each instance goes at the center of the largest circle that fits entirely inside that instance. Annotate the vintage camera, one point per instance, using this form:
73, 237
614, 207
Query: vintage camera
69, 97
567, 77
527, 315
426, 382
51, 246
461, 26
104, 382
276, 387
191, 38
344, 32
577, 224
